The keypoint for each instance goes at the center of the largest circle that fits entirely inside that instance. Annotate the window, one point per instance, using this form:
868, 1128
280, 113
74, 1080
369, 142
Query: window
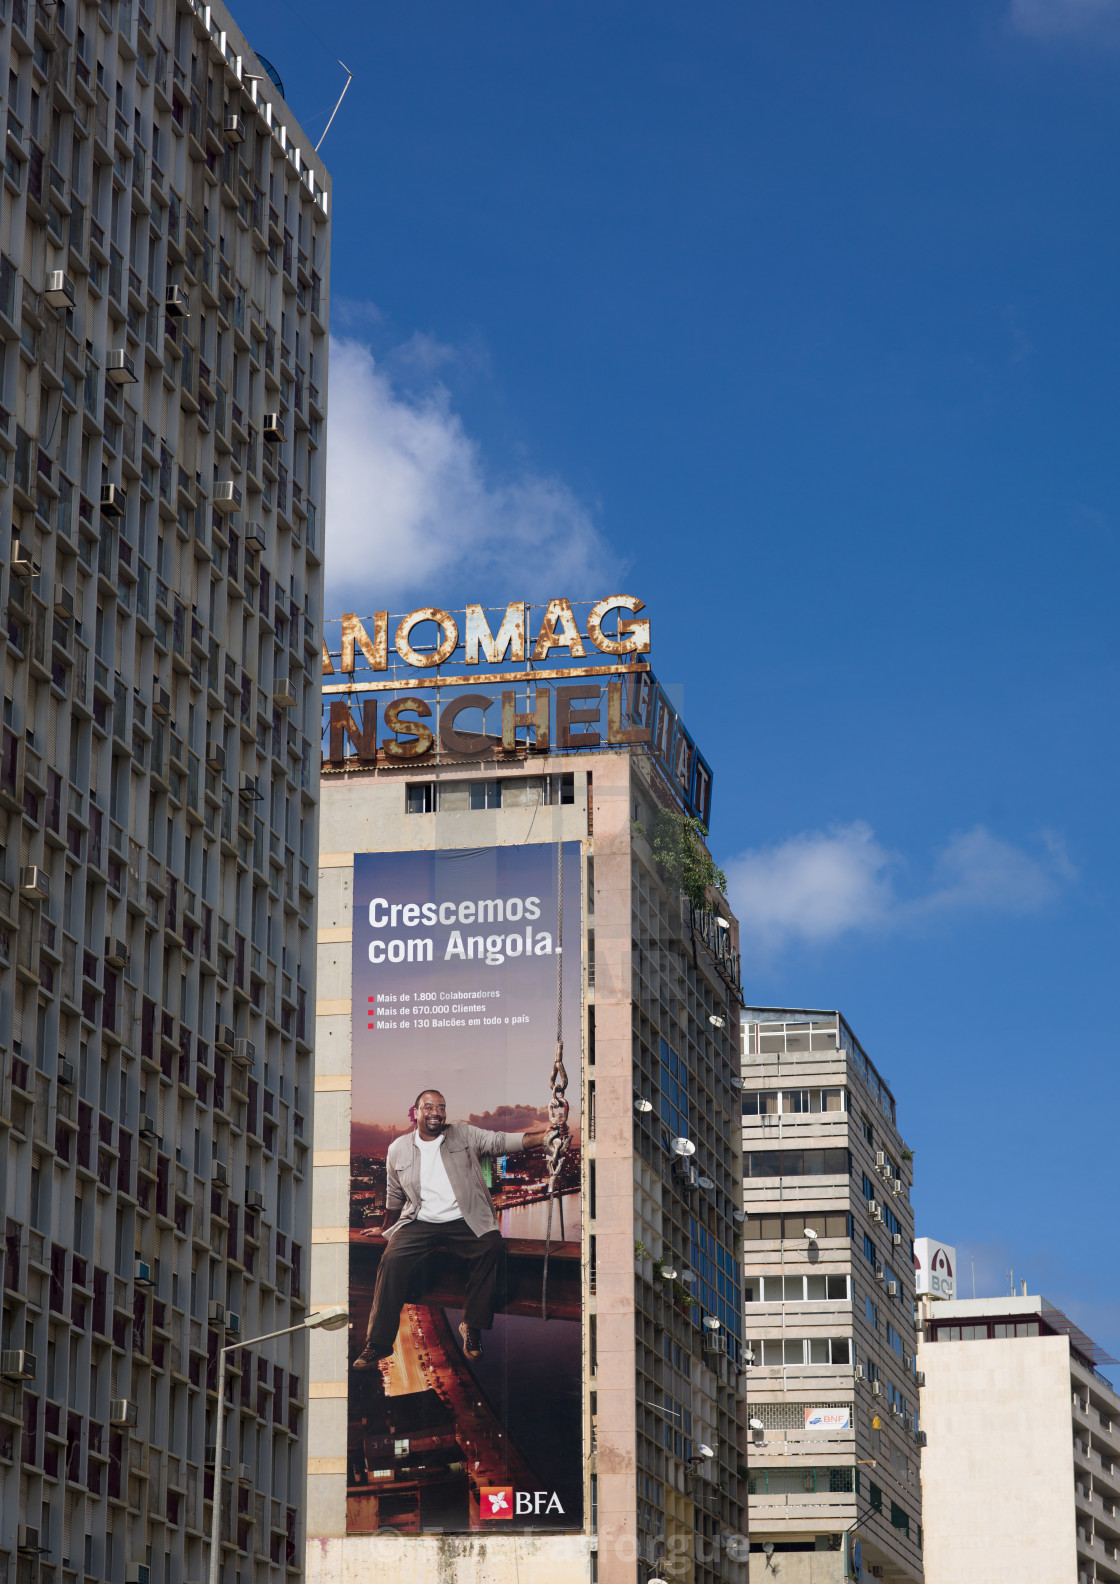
868, 1130
874, 1496
421, 797
793, 1102
486, 794
787, 1481
900, 1518
893, 1339
871, 1252
794, 1351
1016, 1328
560, 788
872, 1313
798, 1163
981, 1332
771, 1227
400, 1447
804, 1289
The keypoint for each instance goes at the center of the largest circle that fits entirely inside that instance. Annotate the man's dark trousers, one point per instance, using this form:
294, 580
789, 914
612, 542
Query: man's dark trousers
407, 1250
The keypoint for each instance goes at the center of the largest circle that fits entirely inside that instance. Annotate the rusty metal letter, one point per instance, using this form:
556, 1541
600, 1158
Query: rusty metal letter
559, 611
328, 665
567, 717
633, 635
375, 649
421, 740
536, 721
343, 725
458, 742
446, 649
511, 635
617, 734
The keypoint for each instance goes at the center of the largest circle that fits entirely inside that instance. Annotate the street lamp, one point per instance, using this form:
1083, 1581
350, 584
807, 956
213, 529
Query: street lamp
332, 1319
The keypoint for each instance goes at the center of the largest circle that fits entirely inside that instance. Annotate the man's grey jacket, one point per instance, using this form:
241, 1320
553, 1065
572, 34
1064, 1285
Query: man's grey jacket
463, 1149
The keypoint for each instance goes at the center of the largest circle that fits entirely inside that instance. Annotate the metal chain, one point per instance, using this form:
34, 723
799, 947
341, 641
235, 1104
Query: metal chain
556, 1144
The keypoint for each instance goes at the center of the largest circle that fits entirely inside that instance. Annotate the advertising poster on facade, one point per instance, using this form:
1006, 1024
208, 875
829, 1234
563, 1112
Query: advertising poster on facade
465, 1384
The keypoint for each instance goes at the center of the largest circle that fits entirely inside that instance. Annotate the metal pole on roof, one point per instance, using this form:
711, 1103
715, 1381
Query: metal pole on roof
341, 97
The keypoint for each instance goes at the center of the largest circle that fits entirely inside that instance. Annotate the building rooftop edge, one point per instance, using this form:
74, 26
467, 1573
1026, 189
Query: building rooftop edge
1019, 1305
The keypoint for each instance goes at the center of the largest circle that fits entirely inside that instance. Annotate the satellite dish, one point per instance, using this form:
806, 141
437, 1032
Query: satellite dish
683, 1146
271, 72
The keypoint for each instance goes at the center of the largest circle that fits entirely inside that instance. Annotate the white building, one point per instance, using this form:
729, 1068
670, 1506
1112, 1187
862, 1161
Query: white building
1021, 1474
828, 1277
163, 271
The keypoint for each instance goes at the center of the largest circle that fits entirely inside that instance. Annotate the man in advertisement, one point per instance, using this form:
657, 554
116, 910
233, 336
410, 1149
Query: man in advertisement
437, 1202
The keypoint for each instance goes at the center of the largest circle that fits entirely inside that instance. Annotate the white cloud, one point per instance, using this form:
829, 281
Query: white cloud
820, 885
412, 506
1057, 18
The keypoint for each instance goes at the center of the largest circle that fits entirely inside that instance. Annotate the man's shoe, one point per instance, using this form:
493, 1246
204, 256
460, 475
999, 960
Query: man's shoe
472, 1340
365, 1361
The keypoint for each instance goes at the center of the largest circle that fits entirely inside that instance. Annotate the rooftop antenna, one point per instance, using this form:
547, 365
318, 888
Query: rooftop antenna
341, 97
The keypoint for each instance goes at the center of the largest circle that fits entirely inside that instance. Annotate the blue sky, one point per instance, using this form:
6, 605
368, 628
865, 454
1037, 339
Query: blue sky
801, 322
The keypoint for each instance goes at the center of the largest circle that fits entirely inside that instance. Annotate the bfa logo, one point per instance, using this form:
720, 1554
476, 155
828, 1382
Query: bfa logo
496, 1501
502, 1501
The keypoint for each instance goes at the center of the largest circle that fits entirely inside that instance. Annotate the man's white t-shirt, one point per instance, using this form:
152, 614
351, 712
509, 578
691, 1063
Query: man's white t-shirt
437, 1197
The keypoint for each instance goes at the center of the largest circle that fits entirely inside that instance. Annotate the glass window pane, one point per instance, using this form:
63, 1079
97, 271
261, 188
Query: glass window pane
836, 1226
816, 1287
832, 1099
818, 1350
1027, 1328
750, 1291
772, 1353
841, 1350
795, 1351
837, 1286
770, 1227
795, 1289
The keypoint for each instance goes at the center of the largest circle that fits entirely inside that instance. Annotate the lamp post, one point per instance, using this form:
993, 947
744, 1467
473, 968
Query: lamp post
332, 1319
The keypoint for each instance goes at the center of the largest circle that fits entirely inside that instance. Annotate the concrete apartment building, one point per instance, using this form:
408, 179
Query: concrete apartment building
659, 1259
1021, 1476
163, 278
828, 1283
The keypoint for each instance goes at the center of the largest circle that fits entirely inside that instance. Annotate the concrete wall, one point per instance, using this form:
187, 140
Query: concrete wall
997, 1473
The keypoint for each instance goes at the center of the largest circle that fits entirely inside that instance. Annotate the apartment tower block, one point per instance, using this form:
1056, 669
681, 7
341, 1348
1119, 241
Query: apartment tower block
163, 279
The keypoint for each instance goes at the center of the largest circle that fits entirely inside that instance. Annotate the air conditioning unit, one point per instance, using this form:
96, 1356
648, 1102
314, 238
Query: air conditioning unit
235, 129
65, 1073
892, 1289
272, 429
218, 1174
233, 1324
227, 496
283, 694
35, 883
124, 1414
254, 1199
907, 1361
919, 1377
119, 368
117, 954
16, 1364
175, 304
161, 703
245, 1474
64, 603
148, 1128
216, 1312
896, 1186
873, 1208
896, 1238
112, 500
215, 757
921, 1438
59, 290
859, 1372
137, 1573
27, 1540
225, 1039
880, 1273
212, 1457
249, 791
245, 1052
255, 537
896, 1409
142, 1273
21, 565
881, 1161
876, 1388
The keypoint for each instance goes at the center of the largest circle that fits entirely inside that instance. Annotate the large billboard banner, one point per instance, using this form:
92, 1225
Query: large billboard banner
465, 1388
